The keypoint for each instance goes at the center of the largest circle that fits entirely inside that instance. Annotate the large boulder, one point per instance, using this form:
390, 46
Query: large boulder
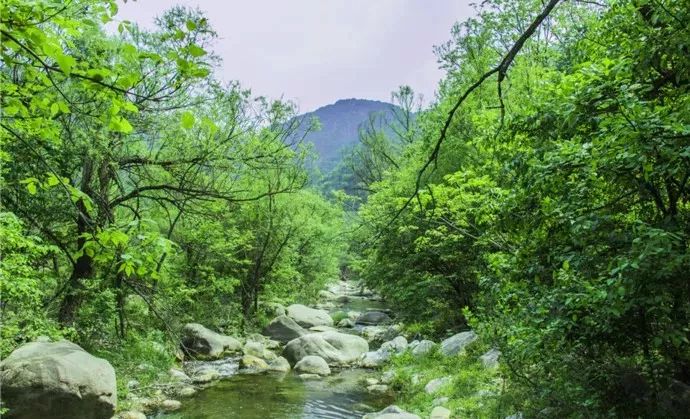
57, 380
372, 318
311, 364
309, 317
279, 364
350, 346
440, 412
284, 329
396, 345
334, 347
254, 363
205, 343
422, 348
436, 384
391, 412
490, 358
380, 333
374, 359
457, 343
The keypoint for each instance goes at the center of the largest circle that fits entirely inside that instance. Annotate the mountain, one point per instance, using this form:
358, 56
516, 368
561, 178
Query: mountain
340, 124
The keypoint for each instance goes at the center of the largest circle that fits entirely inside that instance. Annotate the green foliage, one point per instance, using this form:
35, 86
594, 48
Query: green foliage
563, 223
24, 286
473, 391
139, 193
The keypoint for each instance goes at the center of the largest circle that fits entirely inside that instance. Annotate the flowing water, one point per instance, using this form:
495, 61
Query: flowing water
342, 395
278, 396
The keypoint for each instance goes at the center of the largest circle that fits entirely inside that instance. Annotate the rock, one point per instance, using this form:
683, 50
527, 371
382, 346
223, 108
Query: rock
272, 344
423, 348
374, 359
353, 315
397, 345
391, 412
334, 347
170, 405
312, 364
373, 318
346, 323
254, 349
131, 414
435, 385
200, 341
252, 362
186, 391
371, 381
57, 380
145, 367
342, 299
279, 364
284, 329
269, 355
388, 377
415, 379
439, 401
352, 347
517, 415
178, 375
440, 412
205, 375
326, 295
328, 305
309, 317
490, 358
277, 309
309, 376
322, 329
457, 343
377, 388
132, 384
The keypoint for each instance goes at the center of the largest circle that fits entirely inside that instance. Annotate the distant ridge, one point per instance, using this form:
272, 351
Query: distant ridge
340, 124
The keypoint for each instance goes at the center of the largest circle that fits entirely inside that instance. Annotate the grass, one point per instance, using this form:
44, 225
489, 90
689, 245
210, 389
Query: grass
473, 391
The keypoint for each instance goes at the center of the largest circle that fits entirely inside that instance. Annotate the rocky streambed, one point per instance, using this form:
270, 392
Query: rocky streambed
309, 362
306, 363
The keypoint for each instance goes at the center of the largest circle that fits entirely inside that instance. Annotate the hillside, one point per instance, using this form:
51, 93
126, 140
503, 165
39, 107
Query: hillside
340, 123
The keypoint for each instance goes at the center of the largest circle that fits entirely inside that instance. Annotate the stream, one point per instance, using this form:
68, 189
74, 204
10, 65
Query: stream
342, 395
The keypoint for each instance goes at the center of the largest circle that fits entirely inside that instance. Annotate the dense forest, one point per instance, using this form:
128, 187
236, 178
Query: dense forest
542, 199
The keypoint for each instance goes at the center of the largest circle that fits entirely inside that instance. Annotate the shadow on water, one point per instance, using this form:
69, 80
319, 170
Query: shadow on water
341, 396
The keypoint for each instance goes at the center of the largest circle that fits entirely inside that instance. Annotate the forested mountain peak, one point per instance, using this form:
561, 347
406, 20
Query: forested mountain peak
339, 127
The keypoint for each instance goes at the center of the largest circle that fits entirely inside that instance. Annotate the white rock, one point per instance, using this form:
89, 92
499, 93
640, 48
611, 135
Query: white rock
170, 405
457, 343
435, 385
490, 358
440, 412
312, 364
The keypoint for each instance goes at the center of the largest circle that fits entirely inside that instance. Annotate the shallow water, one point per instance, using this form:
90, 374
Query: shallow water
342, 395
266, 396
361, 304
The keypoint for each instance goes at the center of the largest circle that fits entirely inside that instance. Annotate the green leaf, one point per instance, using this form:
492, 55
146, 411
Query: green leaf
187, 120
65, 62
196, 51
190, 25
120, 124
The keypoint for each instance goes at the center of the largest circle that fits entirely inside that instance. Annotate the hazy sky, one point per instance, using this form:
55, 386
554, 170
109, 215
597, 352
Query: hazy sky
315, 52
